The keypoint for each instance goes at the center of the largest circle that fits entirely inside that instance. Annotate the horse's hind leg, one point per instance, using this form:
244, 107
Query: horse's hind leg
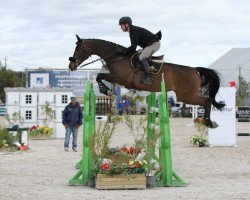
202, 101
207, 119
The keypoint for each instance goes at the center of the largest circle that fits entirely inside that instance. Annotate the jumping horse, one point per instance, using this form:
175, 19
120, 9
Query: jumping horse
196, 86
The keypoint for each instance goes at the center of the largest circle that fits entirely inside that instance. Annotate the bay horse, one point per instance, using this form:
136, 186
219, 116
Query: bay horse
196, 86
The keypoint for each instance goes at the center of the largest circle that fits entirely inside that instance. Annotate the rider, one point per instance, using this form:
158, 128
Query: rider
145, 39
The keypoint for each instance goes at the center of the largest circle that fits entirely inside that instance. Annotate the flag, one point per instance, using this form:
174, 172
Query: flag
232, 84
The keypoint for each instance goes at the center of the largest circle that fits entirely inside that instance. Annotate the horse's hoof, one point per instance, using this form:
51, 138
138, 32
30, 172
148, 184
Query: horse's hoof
214, 125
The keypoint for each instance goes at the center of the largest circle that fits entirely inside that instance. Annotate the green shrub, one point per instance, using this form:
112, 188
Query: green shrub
6, 139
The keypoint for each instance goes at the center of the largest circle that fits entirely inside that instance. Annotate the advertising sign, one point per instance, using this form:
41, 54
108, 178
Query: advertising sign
225, 134
243, 112
63, 78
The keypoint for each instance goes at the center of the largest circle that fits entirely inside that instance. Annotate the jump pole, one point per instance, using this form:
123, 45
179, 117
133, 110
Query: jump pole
85, 165
166, 176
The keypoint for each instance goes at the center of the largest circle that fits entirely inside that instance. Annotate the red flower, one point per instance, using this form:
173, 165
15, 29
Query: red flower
131, 150
105, 167
137, 165
125, 149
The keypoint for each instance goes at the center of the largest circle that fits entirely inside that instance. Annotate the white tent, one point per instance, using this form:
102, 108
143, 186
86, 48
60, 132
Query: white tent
235, 61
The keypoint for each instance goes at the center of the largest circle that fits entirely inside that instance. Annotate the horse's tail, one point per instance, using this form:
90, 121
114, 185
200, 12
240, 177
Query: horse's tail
210, 84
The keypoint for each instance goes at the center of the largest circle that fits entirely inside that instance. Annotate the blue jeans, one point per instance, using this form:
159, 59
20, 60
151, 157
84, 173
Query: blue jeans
74, 132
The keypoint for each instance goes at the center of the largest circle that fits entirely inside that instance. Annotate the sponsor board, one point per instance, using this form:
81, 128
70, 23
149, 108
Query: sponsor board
225, 134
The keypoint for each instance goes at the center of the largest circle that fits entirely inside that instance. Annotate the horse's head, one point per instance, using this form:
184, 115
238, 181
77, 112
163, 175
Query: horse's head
81, 54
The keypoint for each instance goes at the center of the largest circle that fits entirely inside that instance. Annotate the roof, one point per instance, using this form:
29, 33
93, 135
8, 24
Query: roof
230, 63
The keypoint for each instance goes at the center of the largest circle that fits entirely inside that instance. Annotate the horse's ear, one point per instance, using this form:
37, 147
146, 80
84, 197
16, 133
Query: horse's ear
78, 38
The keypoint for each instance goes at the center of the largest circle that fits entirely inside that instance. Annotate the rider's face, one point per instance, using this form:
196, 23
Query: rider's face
124, 27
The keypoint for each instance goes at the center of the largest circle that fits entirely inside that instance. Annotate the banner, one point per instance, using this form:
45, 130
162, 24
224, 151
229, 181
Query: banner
64, 78
225, 134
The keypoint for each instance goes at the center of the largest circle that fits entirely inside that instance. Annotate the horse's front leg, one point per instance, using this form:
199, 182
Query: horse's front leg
102, 87
111, 78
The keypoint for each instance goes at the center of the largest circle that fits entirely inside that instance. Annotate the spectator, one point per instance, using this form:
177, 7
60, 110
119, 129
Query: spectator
127, 105
120, 107
72, 120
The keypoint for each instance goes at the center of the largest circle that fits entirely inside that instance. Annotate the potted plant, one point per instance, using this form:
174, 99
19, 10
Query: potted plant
200, 139
40, 132
122, 176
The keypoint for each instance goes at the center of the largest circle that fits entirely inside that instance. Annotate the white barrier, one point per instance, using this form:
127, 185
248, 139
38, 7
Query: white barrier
225, 134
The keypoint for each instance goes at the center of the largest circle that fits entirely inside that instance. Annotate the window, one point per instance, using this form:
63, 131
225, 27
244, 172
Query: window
28, 114
64, 98
28, 99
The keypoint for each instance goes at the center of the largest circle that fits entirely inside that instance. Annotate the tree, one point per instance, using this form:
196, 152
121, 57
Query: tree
242, 91
47, 112
10, 78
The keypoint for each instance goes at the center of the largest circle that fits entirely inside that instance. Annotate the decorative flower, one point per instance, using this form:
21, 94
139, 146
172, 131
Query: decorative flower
105, 167
131, 162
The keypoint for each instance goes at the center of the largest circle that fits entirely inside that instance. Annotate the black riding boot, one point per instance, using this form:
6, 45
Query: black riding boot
147, 79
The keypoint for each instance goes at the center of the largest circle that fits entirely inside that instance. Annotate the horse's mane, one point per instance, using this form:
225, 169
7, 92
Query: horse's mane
111, 44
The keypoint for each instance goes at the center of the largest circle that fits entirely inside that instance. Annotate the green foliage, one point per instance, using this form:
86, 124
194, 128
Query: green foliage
14, 119
40, 130
141, 142
10, 78
199, 140
242, 91
5, 138
138, 132
133, 167
101, 138
48, 112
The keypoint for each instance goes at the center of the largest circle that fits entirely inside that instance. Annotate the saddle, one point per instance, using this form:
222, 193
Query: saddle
155, 62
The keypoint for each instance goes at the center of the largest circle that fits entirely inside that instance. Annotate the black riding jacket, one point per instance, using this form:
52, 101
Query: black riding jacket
140, 36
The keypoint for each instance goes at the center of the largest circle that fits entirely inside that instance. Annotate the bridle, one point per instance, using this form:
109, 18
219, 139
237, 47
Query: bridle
75, 60
78, 62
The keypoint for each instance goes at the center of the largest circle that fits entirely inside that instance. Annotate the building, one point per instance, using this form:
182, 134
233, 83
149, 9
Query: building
29, 102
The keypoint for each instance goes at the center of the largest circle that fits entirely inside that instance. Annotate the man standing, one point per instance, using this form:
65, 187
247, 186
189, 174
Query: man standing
72, 120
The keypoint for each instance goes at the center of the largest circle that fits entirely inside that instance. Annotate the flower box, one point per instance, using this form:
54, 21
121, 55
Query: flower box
121, 181
40, 137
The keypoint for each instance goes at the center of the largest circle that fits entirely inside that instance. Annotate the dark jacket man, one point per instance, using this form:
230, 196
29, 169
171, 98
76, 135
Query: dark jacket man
72, 115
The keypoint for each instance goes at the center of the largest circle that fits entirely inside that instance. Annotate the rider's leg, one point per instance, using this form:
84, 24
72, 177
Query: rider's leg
148, 78
147, 52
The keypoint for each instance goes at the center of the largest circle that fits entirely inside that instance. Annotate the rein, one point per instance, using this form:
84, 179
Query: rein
97, 60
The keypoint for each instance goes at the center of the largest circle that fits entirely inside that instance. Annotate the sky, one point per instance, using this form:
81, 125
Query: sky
35, 33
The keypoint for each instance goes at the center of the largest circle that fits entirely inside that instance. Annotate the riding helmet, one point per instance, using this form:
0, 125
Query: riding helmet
125, 20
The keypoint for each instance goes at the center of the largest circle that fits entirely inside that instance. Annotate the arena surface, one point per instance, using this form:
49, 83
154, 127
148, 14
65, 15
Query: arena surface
43, 171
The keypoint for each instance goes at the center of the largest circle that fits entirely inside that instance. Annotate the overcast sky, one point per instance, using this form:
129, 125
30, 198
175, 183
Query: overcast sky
37, 33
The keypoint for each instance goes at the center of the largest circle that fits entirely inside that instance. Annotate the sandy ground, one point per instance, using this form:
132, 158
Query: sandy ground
43, 171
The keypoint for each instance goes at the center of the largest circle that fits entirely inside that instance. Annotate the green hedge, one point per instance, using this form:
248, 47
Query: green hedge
6, 139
